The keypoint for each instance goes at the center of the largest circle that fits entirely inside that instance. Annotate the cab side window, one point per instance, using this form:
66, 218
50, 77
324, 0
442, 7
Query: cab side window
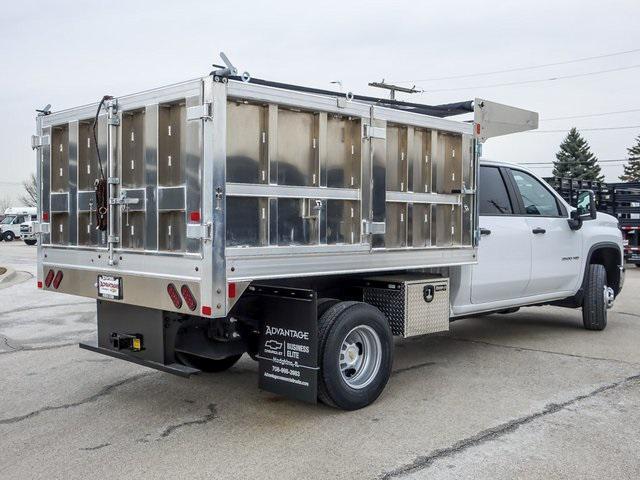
537, 200
494, 199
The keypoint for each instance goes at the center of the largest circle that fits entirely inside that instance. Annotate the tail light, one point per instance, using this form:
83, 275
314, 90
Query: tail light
175, 296
49, 278
232, 290
188, 298
57, 279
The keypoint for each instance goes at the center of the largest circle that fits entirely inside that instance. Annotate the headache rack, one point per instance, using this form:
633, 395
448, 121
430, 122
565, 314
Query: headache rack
215, 182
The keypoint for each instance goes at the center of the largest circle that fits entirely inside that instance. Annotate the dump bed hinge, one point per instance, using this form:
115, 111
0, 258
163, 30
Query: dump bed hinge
373, 228
200, 112
38, 228
370, 131
38, 141
200, 231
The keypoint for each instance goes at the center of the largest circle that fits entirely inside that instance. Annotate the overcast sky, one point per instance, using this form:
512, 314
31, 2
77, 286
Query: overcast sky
69, 53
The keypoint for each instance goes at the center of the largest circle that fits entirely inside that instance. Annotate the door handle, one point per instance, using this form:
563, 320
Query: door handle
539, 230
485, 231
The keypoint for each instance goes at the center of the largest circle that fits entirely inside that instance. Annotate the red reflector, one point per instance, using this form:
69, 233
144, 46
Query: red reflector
188, 298
45, 216
49, 278
477, 129
175, 296
232, 290
39, 284
57, 279
206, 310
194, 216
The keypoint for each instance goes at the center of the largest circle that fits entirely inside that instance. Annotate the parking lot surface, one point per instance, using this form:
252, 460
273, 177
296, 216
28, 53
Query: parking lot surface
526, 395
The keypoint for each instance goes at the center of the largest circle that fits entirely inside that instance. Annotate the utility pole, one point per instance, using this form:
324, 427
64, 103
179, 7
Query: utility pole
394, 88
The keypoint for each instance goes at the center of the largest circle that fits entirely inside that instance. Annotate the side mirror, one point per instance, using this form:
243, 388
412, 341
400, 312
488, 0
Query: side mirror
586, 205
585, 210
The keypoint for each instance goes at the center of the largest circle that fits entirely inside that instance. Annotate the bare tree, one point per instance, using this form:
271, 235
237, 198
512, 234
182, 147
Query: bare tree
30, 195
5, 202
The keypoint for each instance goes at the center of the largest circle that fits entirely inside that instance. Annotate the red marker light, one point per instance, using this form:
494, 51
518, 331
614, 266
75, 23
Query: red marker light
49, 278
194, 217
232, 290
45, 216
39, 284
477, 129
58, 279
175, 296
188, 298
206, 310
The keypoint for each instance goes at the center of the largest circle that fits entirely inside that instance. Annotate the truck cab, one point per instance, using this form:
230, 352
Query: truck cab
532, 250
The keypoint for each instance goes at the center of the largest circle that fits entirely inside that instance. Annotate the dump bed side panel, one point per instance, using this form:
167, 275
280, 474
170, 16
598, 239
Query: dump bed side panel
318, 185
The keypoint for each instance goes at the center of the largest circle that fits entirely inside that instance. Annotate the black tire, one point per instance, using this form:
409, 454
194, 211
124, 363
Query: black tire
325, 304
333, 328
31, 242
594, 307
8, 236
637, 264
208, 365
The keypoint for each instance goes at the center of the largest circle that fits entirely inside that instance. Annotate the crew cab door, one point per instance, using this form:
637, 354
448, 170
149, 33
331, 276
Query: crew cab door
555, 248
503, 270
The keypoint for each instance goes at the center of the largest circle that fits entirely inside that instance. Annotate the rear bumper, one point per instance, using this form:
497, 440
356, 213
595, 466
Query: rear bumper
174, 368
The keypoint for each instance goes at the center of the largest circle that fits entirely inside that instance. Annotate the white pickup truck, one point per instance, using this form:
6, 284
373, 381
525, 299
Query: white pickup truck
533, 251
227, 215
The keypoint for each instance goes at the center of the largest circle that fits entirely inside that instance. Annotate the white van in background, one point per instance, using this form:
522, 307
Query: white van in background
10, 225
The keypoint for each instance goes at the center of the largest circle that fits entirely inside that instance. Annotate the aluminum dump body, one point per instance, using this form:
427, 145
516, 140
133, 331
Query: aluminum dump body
218, 183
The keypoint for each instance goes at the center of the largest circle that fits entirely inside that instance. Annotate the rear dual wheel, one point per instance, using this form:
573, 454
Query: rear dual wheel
356, 354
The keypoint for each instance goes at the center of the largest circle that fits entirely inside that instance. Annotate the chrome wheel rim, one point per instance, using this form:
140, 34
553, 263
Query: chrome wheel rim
360, 356
609, 296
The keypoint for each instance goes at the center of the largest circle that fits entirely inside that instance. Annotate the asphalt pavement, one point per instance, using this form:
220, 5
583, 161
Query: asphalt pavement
526, 395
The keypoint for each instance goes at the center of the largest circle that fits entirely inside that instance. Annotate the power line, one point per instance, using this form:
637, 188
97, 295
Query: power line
539, 80
520, 69
610, 160
590, 115
625, 127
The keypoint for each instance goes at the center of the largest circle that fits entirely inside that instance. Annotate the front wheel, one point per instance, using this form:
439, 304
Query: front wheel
356, 355
8, 236
598, 298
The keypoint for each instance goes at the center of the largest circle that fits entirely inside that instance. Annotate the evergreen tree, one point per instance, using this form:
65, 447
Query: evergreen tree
575, 160
632, 168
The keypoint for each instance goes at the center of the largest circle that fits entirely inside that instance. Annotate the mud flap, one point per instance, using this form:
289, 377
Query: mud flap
288, 343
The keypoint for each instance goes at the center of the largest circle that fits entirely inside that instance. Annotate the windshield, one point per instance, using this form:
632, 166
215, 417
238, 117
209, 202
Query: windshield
7, 220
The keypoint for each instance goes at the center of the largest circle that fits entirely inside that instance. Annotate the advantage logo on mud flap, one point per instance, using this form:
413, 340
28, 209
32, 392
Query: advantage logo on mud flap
287, 357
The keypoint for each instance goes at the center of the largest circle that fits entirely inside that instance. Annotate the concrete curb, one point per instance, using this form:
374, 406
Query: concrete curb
8, 275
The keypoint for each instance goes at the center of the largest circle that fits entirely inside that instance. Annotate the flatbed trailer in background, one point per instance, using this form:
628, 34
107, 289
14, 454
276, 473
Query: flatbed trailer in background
621, 200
